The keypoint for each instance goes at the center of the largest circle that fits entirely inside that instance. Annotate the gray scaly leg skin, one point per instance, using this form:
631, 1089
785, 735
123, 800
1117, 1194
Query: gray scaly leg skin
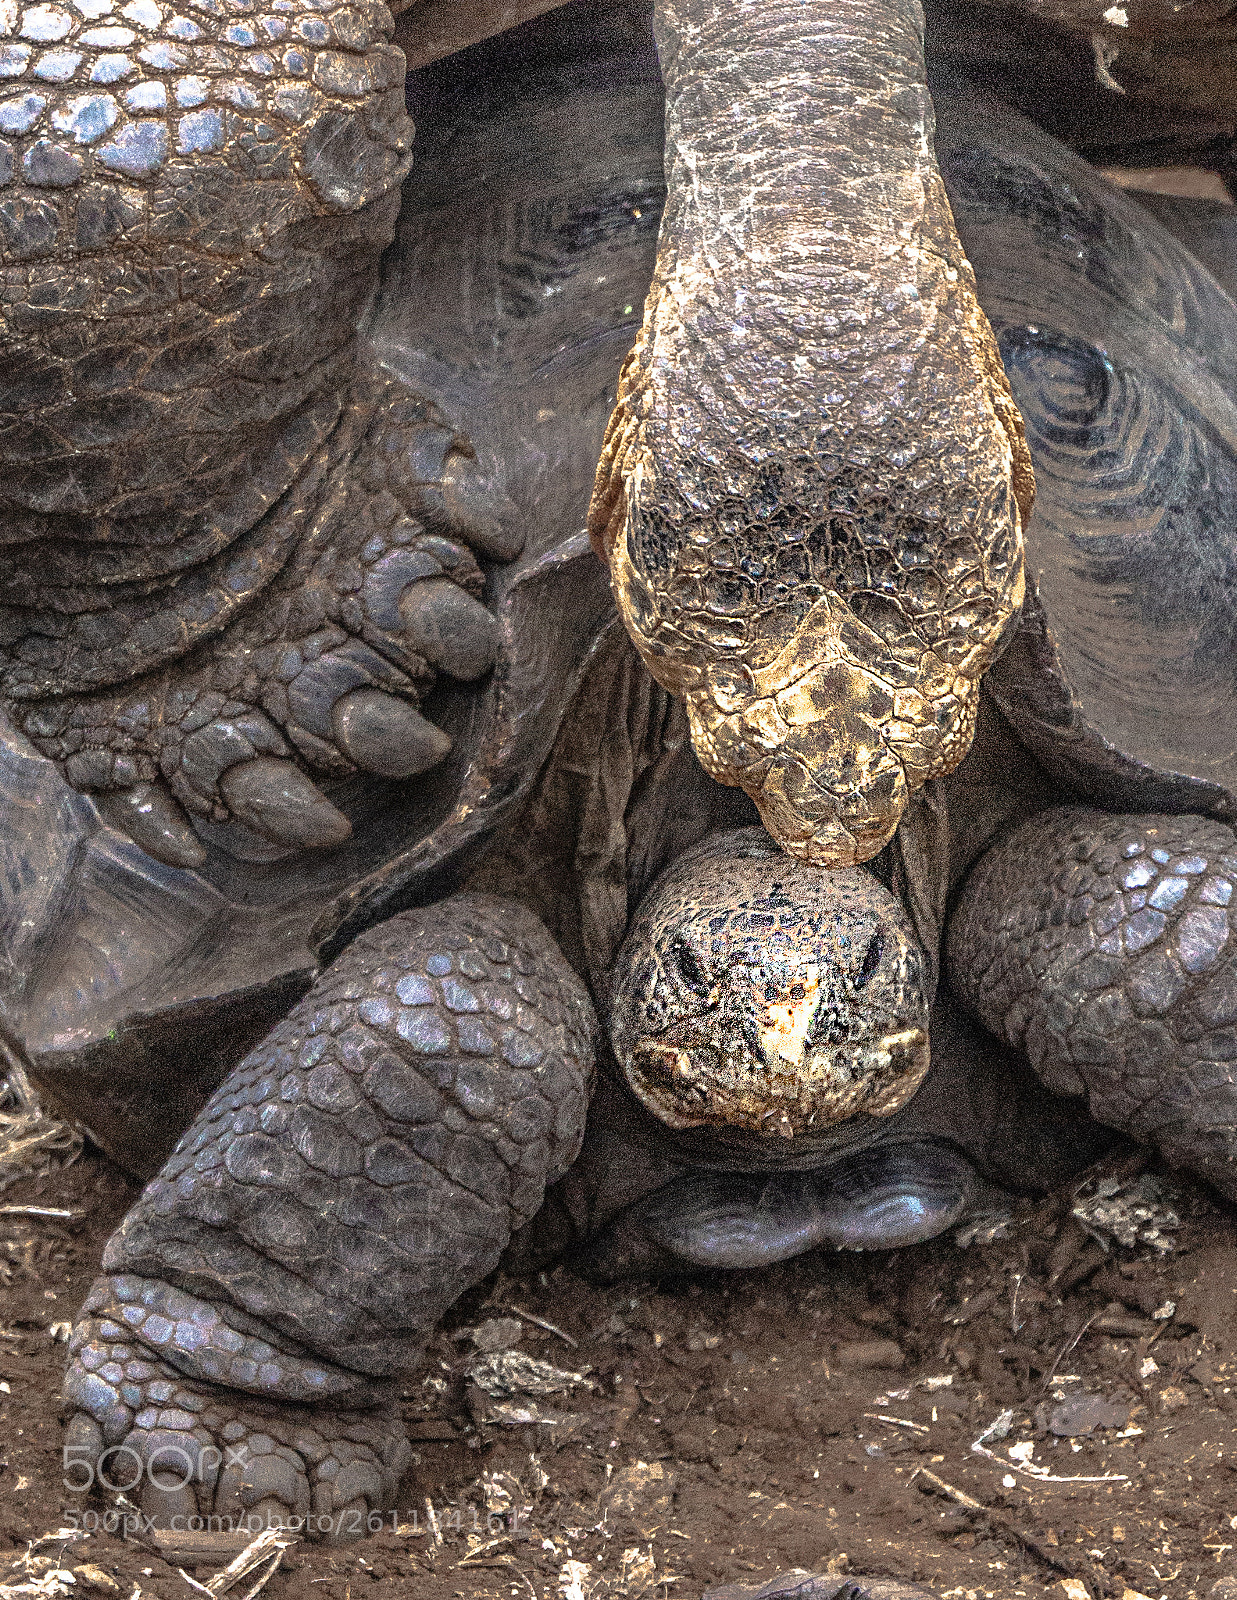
226, 541
878, 1199
358, 1171
1101, 946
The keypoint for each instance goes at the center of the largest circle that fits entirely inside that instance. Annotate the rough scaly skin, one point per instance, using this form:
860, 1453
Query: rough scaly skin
813, 484
362, 1167
331, 621
1101, 946
757, 992
213, 515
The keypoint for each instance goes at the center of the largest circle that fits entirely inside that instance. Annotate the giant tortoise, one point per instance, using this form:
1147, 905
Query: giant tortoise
763, 1051
242, 548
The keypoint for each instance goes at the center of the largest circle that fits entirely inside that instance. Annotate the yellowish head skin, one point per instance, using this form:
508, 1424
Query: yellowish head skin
754, 991
828, 722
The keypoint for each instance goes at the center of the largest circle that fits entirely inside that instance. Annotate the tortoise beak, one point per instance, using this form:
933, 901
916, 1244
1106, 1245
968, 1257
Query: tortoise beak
783, 1085
785, 1027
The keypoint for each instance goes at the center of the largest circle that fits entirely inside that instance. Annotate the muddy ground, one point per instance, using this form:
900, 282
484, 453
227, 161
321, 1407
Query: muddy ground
738, 1424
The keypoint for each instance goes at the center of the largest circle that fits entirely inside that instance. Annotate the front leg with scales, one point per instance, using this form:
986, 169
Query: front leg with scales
231, 553
359, 1170
1101, 945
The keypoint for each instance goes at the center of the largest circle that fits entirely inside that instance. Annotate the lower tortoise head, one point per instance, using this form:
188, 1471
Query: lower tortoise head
756, 991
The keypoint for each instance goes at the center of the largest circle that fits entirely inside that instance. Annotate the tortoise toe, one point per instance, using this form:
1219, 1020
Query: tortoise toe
277, 800
149, 815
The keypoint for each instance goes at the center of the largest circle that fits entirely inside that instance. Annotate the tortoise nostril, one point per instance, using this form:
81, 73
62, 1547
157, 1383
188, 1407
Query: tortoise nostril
687, 965
830, 1025
871, 958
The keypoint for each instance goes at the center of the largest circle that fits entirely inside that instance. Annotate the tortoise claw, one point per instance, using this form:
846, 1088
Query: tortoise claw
385, 735
478, 510
277, 800
454, 494
451, 630
150, 817
331, 677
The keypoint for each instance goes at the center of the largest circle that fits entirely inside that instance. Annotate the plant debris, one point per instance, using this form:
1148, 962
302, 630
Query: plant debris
1129, 1212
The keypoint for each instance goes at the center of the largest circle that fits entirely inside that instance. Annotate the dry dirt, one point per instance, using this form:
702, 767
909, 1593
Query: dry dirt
737, 1425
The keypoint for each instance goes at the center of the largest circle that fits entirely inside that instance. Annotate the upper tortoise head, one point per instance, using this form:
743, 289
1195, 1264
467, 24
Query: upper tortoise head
758, 992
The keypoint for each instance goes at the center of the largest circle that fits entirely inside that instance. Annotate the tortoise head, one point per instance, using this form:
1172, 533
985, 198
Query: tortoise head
756, 991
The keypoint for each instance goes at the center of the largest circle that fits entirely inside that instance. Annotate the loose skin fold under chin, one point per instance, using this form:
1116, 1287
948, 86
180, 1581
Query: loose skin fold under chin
813, 484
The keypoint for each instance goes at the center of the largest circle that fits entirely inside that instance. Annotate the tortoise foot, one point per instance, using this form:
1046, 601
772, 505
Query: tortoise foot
181, 1447
362, 1167
876, 1199
366, 590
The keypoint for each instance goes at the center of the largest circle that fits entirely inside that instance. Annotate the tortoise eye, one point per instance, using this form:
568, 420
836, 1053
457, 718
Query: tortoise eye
871, 958
688, 967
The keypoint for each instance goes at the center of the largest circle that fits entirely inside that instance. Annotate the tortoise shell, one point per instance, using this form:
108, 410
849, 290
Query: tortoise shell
1121, 350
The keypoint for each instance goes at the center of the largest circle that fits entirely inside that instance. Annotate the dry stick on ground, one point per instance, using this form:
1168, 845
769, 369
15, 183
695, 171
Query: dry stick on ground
1067, 1347
929, 1483
56, 1213
550, 1327
484, 1554
13, 1062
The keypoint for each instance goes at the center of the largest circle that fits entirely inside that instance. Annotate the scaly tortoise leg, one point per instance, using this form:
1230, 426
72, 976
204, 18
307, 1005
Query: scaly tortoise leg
233, 554
354, 1175
1101, 946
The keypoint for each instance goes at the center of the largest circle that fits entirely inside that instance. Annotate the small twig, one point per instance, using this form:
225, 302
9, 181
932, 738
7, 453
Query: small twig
999, 1428
1067, 1347
1042, 1475
265, 1550
930, 1483
939, 1486
473, 1558
431, 1517
996, 1429
896, 1422
1015, 1326
1105, 55
265, 1577
550, 1327
15, 1063
39, 1211
1148, 1339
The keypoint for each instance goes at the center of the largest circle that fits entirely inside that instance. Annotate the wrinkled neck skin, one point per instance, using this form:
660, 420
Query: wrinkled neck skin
812, 487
